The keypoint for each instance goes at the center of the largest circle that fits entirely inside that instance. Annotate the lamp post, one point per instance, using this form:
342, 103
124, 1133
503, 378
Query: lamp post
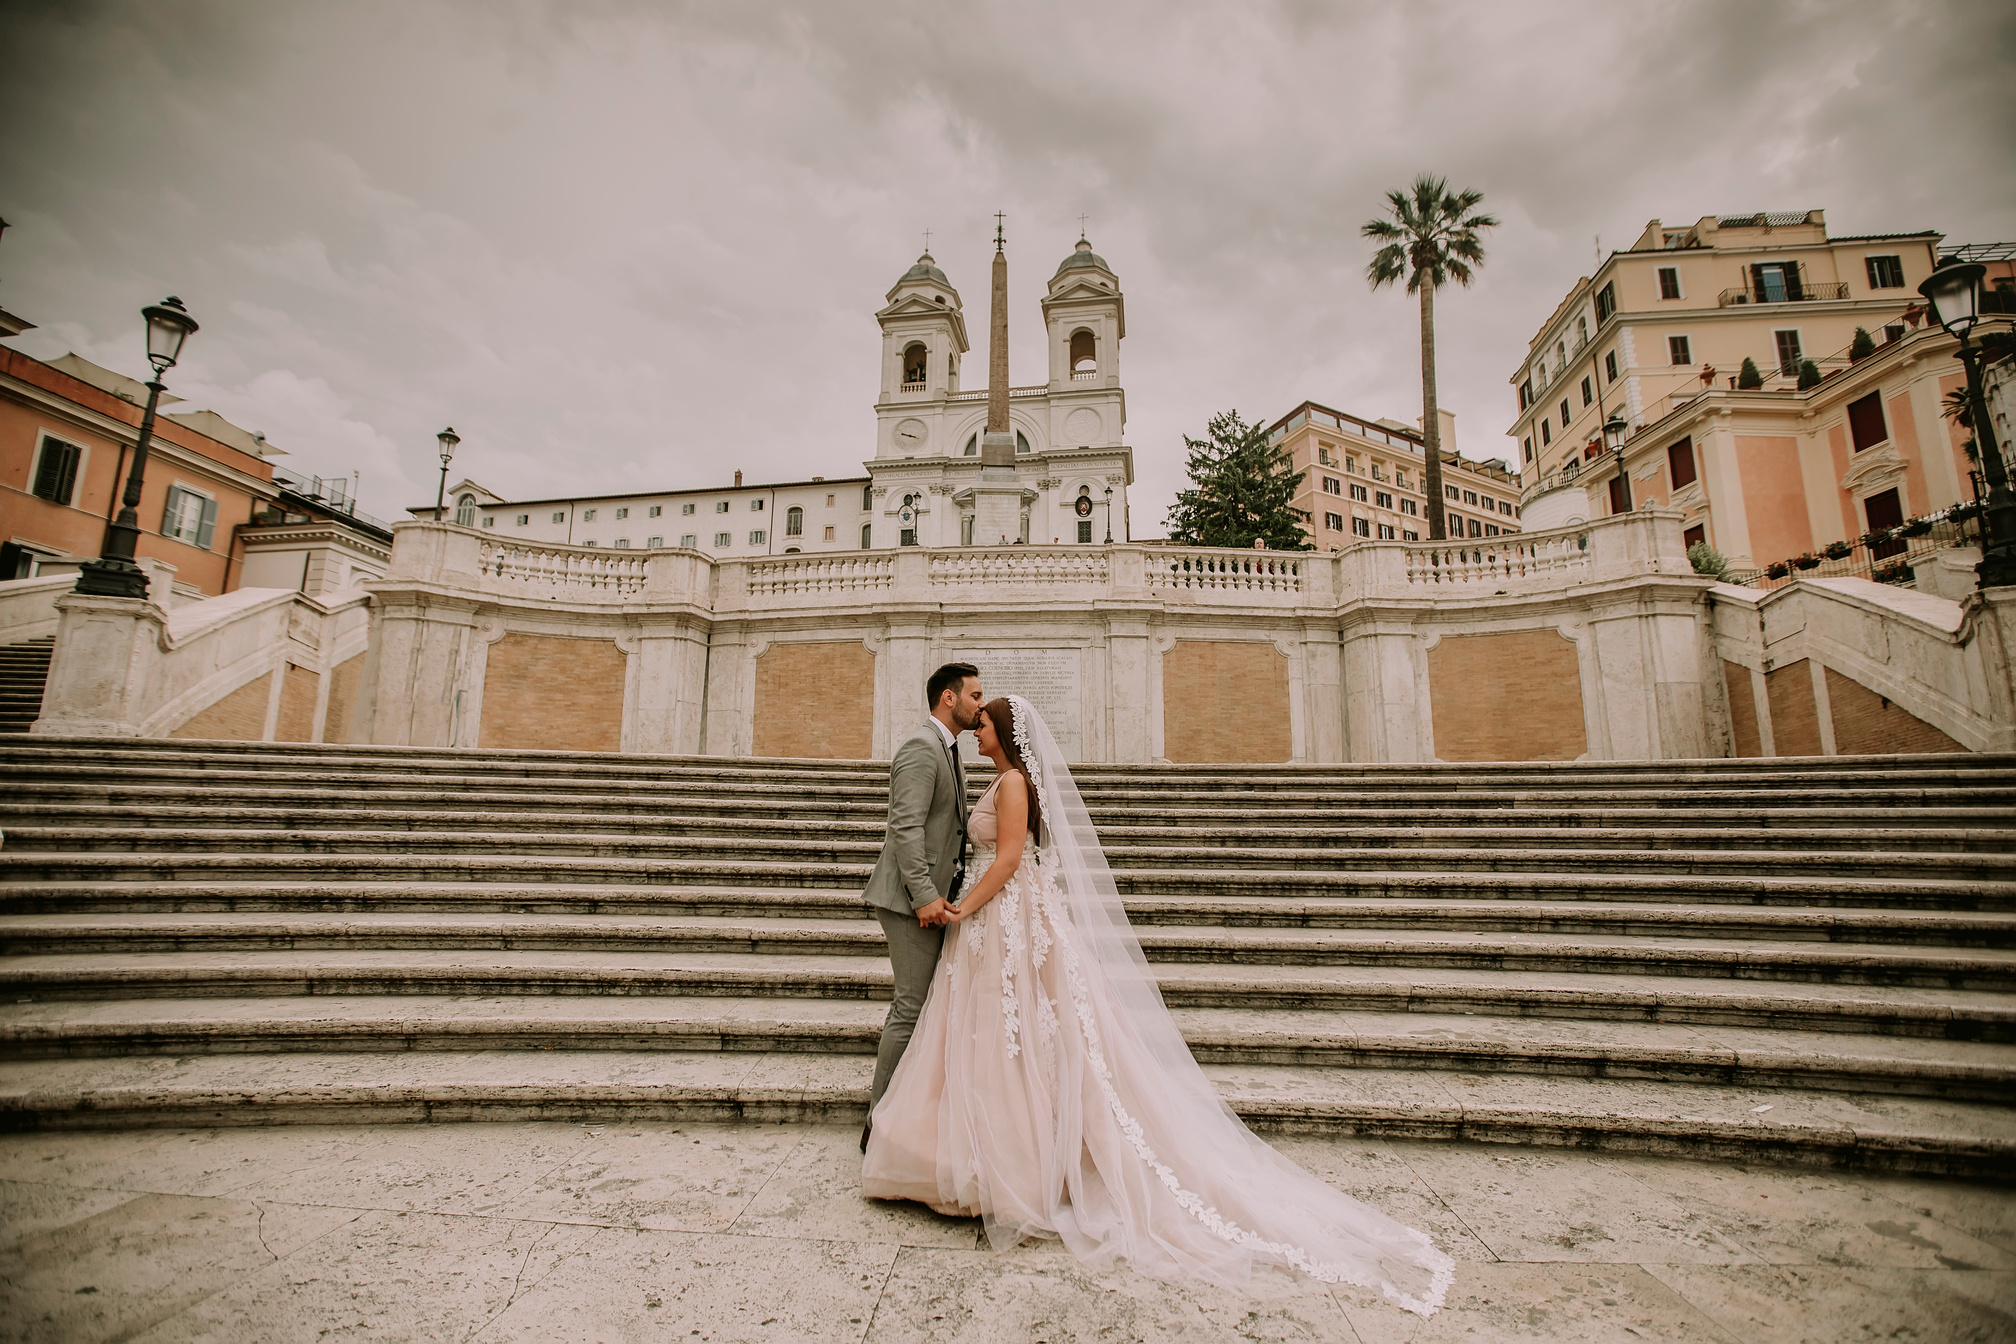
113, 573
1953, 291
448, 438
1109, 515
1613, 434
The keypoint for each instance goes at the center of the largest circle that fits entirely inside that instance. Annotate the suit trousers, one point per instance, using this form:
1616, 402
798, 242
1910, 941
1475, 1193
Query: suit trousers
913, 956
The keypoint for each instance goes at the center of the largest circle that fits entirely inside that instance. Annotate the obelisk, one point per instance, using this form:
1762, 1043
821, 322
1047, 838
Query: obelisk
997, 499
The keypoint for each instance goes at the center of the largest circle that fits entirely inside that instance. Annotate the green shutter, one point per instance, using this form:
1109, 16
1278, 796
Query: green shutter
207, 529
171, 511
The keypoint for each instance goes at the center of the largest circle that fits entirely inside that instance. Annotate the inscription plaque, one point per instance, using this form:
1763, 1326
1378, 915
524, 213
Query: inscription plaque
1046, 678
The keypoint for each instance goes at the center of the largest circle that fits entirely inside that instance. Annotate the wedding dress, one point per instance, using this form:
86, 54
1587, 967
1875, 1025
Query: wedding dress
1048, 1091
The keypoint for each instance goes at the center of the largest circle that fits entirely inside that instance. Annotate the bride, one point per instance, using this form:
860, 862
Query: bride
1048, 1091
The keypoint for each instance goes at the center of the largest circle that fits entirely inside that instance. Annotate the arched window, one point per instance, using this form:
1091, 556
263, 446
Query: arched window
794, 522
1084, 354
867, 536
914, 366
973, 446
867, 499
1021, 442
465, 511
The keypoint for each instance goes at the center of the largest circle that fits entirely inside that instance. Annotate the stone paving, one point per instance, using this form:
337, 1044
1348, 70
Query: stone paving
708, 1233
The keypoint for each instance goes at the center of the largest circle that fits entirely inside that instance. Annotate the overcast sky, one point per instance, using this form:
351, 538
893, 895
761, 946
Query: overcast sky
626, 246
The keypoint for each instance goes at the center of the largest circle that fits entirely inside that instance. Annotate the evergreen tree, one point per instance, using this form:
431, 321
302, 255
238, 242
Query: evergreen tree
1748, 376
1241, 486
1809, 374
1862, 346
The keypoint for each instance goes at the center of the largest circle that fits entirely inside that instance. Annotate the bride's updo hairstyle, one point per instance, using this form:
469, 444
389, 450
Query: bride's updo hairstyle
1002, 715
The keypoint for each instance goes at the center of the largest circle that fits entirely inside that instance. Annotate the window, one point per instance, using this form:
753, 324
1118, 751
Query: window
867, 502
1351, 465
867, 534
1526, 446
1893, 332
1331, 487
1455, 524
1385, 532
1788, 352
1400, 479
828, 536
906, 536
1610, 366
1680, 463
1410, 535
1525, 394
1452, 492
720, 506
1021, 442
189, 516
523, 519
1588, 392
1694, 536
689, 541
685, 510
759, 537
1581, 332
1546, 432
653, 543
1470, 497
1669, 282
1883, 511
1486, 501
56, 472
1358, 492
559, 515
1084, 531
829, 501
794, 522
1361, 527
1616, 494
588, 543
1322, 454
1565, 417
465, 511
1865, 421
755, 506
622, 513
587, 516
1476, 528
1334, 521
1490, 529
489, 520
622, 543
657, 510
1383, 500
1679, 351
724, 539
1885, 272
1606, 302
1410, 508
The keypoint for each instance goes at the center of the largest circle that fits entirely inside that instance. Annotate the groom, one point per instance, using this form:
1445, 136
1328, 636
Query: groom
923, 857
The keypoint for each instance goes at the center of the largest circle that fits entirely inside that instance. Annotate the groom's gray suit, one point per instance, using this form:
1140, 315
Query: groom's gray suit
925, 847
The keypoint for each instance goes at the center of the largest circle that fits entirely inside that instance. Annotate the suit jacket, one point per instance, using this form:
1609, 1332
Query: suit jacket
927, 827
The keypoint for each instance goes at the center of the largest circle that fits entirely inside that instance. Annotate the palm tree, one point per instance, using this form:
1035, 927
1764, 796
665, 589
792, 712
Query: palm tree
1431, 238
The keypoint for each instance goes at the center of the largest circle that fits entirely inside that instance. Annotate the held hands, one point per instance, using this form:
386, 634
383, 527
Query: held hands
939, 912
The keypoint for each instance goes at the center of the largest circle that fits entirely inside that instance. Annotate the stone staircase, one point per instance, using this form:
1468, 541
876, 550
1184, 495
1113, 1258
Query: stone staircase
24, 672
1788, 960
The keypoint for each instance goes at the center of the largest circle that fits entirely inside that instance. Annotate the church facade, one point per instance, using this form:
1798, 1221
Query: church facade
924, 483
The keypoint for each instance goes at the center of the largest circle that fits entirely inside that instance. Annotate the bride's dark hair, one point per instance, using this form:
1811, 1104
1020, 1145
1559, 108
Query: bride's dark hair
1002, 715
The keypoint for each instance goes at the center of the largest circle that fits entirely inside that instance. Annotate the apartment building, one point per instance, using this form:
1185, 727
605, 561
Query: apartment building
742, 520
1363, 480
1677, 313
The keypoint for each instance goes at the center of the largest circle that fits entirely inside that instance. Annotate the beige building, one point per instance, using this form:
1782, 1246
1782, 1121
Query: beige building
1363, 481
1680, 310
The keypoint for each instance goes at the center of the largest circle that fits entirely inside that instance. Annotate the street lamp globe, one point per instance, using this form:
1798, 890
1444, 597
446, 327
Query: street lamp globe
448, 439
1953, 290
1613, 431
168, 325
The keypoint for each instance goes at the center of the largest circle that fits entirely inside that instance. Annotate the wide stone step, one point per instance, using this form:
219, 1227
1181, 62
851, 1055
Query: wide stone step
252, 931
1872, 1132
425, 853
57, 825
635, 969
1734, 1057
811, 890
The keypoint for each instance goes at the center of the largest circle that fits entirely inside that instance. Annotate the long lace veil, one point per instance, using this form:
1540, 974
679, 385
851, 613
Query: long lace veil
1263, 1208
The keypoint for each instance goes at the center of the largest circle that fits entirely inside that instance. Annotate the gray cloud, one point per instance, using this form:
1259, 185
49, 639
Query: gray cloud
621, 245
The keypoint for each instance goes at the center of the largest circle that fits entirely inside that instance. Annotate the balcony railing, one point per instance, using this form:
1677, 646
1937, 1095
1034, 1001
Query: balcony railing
1084, 375
1806, 293
913, 387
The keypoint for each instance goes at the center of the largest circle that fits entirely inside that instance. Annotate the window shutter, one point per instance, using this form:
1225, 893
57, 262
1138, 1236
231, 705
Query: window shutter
1680, 462
171, 511
207, 528
1757, 282
1865, 421
1792, 289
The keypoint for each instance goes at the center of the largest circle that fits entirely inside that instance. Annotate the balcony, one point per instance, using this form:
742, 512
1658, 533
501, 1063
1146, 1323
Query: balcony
1808, 293
1084, 375
913, 387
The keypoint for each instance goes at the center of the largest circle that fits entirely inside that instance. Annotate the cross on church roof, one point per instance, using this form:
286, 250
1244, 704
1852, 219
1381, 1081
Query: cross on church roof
927, 240
1081, 226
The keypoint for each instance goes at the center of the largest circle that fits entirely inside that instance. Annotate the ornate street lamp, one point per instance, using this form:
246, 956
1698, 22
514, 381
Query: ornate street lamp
1109, 515
1953, 290
1613, 434
448, 438
113, 573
